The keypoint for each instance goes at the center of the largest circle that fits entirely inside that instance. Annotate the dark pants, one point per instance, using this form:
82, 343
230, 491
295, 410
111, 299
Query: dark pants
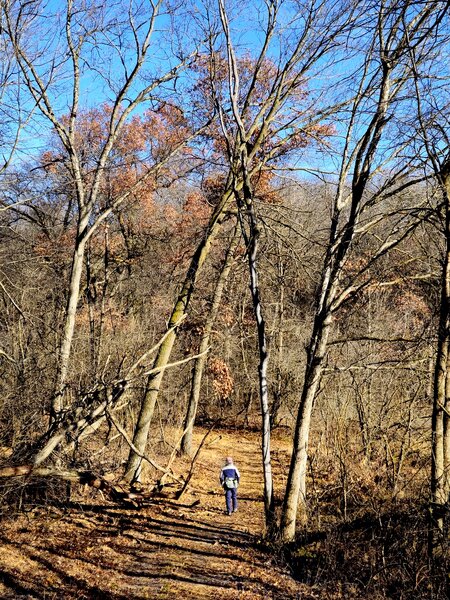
231, 499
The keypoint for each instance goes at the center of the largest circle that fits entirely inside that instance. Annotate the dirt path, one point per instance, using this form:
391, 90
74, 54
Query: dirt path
164, 550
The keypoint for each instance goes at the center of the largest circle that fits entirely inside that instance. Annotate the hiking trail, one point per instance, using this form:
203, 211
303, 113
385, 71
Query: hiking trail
166, 549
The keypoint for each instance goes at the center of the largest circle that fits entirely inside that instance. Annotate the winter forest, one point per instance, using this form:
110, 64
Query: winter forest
226, 220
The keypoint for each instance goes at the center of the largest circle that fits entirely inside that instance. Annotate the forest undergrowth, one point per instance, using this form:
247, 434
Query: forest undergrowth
89, 547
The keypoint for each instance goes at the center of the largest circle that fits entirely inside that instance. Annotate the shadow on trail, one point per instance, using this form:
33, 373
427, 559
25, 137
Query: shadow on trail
17, 588
35, 588
167, 525
194, 554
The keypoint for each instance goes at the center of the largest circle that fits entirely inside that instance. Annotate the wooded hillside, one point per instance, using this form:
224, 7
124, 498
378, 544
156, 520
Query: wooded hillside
235, 222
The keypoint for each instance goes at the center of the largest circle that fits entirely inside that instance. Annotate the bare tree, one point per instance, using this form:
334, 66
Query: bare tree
59, 51
382, 75
432, 127
262, 124
258, 124
12, 110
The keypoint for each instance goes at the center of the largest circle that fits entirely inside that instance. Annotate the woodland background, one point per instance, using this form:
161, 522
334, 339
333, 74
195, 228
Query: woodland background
231, 221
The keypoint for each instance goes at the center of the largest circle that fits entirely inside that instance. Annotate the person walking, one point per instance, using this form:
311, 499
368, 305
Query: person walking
229, 480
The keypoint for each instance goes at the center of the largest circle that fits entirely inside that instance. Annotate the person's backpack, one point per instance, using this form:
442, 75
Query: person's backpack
230, 483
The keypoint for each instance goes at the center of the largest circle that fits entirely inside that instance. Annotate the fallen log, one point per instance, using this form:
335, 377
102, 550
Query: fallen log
116, 492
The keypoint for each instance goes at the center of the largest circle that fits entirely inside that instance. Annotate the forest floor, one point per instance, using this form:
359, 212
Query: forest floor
186, 549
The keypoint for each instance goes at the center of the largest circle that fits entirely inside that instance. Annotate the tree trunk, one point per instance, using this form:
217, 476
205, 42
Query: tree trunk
440, 431
133, 469
278, 384
446, 405
70, 316
263, 391
294, 505
437, 427
251, 239
199, 365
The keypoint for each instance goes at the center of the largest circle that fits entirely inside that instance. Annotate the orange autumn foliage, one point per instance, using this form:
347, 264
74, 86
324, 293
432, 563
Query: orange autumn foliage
141, 144
287, 126
223, 382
